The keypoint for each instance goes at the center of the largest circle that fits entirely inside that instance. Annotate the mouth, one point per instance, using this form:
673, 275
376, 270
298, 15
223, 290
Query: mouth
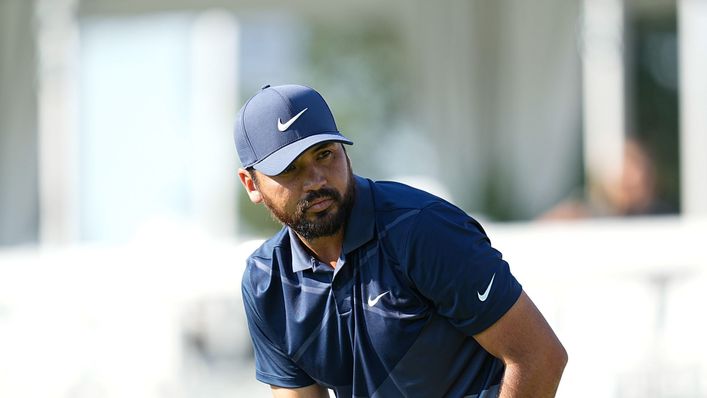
320, 205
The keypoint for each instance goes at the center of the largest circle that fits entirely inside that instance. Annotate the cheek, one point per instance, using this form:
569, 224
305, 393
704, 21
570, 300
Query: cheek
283, 199
343, 174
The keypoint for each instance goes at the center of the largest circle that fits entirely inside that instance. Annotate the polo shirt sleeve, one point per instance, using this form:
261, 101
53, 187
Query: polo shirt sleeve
272, 365
451, 262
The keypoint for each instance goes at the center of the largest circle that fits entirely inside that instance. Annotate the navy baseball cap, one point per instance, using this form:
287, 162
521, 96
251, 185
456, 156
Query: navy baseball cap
279, 123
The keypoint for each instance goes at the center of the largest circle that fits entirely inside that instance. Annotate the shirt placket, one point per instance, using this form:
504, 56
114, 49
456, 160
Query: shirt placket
341, 286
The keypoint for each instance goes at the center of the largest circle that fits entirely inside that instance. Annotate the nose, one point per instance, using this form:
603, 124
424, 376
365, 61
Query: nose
315, 178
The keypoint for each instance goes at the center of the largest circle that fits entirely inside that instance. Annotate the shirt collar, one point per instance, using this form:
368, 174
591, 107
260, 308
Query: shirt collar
301, 259
361, 222
359, 227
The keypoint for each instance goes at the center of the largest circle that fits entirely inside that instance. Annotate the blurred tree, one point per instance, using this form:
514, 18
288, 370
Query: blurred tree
654, 96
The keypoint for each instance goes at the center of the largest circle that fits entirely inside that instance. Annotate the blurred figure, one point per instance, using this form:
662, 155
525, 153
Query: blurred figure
632, 193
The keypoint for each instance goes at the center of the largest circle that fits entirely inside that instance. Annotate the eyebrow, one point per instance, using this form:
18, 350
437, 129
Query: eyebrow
323, 145
315, 148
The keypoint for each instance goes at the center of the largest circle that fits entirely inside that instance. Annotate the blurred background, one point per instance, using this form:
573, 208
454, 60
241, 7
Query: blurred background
575, 130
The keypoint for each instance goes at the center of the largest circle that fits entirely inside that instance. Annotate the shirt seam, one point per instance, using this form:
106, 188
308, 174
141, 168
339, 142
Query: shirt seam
413, 227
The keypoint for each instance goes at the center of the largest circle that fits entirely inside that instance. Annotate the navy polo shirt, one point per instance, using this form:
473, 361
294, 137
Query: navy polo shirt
417, 278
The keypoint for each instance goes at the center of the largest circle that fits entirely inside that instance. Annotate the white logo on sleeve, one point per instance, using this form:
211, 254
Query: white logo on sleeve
374, 301
485, 295
282, 127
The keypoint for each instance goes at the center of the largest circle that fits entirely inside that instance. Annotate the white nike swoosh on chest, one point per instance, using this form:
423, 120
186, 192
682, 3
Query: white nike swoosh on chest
374, 301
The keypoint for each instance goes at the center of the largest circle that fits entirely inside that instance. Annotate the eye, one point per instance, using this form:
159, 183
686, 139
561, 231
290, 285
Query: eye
324, 154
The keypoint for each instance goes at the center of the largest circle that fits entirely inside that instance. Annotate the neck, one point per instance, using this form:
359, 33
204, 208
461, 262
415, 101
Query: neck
326, 249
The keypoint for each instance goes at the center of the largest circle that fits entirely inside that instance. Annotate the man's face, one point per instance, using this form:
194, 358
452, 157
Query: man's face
313, 196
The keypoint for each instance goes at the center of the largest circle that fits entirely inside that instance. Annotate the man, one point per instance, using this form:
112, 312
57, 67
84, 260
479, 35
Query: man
374, 289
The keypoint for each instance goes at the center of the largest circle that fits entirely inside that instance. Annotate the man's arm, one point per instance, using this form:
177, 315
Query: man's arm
313, 391
533, 355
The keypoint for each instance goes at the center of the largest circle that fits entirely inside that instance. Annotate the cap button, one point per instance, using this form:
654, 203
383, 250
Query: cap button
264, 87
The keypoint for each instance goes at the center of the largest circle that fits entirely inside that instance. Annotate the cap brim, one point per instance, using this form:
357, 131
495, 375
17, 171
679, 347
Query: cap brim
278, 161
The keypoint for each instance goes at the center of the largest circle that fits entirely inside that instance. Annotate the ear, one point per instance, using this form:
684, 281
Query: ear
249, 185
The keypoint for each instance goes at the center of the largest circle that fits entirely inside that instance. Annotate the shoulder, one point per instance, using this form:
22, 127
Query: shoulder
271, 245
265, 261
411, 220
405, 207
391, 196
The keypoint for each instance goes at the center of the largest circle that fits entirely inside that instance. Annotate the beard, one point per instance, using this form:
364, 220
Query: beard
325, 223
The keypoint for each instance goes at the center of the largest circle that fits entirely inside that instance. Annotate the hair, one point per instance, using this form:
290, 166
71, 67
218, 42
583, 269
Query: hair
253, 175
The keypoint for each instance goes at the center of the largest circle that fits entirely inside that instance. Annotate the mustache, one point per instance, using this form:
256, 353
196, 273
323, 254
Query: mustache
328, 193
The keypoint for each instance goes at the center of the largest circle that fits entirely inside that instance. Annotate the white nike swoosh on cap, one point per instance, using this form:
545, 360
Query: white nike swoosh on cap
484, 296
374, 301
284, 126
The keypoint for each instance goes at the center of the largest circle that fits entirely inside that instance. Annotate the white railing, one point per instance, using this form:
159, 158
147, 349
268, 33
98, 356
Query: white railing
624, 296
